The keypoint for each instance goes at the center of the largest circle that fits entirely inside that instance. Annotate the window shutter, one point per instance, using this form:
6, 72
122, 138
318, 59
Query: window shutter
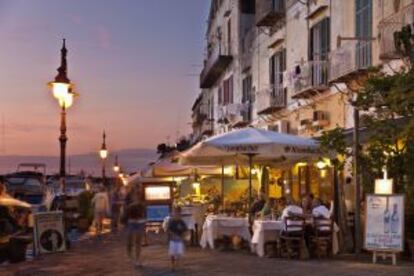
229, 37
272, 70
325, 29
220, 96
225, 92
311, 41
231, 89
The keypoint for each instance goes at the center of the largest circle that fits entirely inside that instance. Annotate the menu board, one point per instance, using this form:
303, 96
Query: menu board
49, 232
384, 223
157, 193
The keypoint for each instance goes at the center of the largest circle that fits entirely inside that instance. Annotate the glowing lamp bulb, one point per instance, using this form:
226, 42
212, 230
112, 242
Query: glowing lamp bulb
60, 89
103, 153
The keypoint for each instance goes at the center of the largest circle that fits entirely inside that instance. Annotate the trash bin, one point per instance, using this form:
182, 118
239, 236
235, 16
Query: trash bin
17, 249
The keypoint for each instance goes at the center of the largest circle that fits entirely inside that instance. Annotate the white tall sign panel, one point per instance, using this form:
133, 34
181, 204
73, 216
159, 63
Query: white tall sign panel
384, 223
49, 232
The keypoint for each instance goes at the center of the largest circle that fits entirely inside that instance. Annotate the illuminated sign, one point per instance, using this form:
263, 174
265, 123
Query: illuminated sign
157, 193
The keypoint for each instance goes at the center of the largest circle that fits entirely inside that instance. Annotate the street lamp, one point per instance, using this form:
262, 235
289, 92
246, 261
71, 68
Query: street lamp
116, 168
103, 153
62, 92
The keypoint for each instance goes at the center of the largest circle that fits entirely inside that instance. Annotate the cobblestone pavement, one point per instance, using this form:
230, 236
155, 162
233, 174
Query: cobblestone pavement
108, 257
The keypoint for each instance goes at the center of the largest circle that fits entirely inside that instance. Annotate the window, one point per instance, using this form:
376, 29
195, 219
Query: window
220, 96
247, 98
247, 89
320, 40
363, 25
277, 65
319, 52
229, 37
248, 6
228, 91
211, 108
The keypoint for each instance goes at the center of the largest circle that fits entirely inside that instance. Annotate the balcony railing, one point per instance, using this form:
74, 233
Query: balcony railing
272, 99
311, 78
352, 58
216, 63
269, 12
390, 25
245, 117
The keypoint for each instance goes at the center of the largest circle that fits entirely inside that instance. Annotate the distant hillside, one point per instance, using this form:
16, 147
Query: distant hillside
131, 160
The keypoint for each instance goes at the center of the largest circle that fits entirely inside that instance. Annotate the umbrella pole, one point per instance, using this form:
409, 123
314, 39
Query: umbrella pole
222, 186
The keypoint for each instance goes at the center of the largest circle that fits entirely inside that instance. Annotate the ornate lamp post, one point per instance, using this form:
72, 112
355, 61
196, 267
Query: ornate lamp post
62, 90
103, 153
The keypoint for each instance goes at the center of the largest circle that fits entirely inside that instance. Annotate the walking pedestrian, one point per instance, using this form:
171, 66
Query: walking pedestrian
176, 230
116, 207
135, 220
100, 203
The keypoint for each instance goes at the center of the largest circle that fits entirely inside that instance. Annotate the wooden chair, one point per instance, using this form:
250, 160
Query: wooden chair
272, 248
292, 237
321, 240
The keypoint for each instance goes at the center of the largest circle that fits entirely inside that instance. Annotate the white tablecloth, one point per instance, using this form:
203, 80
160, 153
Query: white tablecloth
268, 230
197, 211
188, 220
216, 226
264, 231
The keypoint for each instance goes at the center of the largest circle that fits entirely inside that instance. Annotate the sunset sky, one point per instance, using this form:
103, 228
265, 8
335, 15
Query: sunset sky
134, 63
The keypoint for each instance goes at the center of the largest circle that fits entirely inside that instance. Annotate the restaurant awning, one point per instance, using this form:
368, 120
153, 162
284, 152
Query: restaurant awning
266, 146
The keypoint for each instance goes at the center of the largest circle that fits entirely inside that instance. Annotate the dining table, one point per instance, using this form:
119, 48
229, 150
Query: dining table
264, 231
216, 226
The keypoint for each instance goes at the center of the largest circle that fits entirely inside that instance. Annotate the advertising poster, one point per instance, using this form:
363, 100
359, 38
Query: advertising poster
157, 213
49, 232
384, 223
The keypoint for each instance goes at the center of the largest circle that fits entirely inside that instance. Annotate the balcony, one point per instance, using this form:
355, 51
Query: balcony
390, 25
207, 128
272, 100
311, 79
269, 12
245, 117
214, 66
350, 61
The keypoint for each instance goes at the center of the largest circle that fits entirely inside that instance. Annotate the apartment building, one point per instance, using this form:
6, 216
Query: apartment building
220, 78
292, 65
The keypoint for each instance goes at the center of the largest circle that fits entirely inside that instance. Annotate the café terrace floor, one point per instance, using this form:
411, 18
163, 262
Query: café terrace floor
107, 257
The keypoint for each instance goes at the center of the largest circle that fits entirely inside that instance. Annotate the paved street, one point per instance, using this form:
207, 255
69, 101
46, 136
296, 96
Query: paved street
107, 257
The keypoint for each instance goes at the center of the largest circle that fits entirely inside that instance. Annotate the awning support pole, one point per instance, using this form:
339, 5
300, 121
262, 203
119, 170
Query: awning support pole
222, 186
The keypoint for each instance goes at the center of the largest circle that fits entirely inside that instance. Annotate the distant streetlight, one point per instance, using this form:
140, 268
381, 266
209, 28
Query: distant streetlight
62, 90
116, 168
103, 153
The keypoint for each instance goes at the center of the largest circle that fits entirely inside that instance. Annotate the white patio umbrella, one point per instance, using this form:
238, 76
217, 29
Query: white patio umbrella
248, 145
168, 168
13, 202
